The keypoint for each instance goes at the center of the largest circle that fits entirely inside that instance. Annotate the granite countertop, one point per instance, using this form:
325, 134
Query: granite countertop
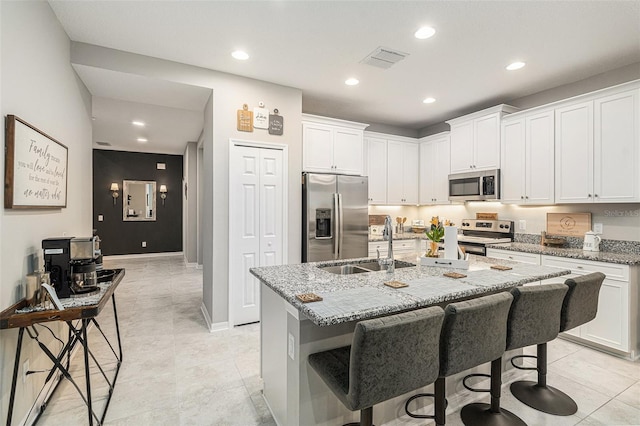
399, 236
572, 253
361, 296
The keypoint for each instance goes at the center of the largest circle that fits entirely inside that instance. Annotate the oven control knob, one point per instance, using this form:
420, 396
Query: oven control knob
501, 226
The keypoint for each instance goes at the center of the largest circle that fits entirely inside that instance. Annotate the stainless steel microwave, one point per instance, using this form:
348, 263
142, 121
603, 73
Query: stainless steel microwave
475, 186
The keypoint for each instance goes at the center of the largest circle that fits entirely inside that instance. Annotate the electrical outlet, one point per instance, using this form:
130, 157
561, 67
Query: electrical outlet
144, 244
291, 347
100, 218
25, 368
522, 225
597, 228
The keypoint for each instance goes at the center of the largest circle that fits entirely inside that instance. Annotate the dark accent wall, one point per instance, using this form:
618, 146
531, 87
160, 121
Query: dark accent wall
119, 237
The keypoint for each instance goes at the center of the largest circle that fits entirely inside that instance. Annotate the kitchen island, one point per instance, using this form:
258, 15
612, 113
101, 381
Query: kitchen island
291, 330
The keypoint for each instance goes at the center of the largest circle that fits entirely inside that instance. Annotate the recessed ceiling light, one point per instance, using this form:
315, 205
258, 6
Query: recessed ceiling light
351, 81
515, 66
429, 100
138, 123
424, 32
143, 140
240, 55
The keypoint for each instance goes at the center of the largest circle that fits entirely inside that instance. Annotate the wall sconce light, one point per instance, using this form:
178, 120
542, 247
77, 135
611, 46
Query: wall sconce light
114, 191
163, 193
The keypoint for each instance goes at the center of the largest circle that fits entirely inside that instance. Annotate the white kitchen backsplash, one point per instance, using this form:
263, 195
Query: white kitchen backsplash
619, 221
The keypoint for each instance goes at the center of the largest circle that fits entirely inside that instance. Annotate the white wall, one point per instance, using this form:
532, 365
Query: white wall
230, 92
39, 85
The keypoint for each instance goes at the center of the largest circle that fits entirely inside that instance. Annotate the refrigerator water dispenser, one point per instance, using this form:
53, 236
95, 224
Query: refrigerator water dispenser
323, 223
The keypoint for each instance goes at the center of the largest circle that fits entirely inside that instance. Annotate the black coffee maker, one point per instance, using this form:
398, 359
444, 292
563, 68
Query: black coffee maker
71, 263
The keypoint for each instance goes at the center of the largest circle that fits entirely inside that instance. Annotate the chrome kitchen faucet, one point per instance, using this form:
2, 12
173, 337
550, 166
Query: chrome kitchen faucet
387, 234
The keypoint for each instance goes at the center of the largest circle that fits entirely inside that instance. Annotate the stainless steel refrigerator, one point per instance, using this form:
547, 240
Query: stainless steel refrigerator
335, 217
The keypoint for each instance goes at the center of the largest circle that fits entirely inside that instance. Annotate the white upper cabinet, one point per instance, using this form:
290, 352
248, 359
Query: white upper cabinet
598, 149
527, 173
377, 170
574, 153
393, 169
462, 147
434, 169
475, 140
402, 172
616, 148
332, 146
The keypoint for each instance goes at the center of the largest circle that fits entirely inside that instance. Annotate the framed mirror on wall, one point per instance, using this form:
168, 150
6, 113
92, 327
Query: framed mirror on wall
139, 200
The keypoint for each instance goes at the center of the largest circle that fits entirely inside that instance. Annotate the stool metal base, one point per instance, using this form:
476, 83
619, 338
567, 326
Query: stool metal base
544, 398
479, 414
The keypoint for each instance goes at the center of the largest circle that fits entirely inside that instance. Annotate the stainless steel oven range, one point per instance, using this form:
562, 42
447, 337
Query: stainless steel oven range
478, 233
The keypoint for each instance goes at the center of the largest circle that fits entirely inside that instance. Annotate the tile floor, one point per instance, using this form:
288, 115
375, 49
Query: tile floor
177, 373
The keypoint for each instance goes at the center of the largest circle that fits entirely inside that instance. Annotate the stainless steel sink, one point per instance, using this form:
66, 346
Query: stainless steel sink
358, 268
344, 269
375, 266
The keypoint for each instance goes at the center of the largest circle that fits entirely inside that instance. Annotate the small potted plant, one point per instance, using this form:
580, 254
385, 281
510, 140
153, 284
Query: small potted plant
434, 234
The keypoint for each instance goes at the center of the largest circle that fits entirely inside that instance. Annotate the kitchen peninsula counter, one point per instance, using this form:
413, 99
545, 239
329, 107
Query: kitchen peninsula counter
621, 257
365, 295
290, 330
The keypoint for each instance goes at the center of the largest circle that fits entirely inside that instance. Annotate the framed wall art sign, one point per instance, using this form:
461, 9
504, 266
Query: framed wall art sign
276, 123
35, 174
245, 119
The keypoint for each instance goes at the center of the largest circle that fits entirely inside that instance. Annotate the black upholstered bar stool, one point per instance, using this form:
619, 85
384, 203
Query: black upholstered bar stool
388, 356
474, 332
579, 306
534, 318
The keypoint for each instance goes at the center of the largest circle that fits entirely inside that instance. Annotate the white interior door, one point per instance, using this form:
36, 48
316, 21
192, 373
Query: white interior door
255, 225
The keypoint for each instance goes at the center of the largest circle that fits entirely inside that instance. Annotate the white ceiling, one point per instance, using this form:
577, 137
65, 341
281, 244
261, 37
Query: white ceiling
316, 45
173, 113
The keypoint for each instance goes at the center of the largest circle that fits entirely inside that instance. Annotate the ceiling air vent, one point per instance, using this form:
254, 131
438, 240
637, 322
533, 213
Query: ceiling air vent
383, 57
103, 143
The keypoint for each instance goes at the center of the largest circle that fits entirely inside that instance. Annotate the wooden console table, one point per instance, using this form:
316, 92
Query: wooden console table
86, 315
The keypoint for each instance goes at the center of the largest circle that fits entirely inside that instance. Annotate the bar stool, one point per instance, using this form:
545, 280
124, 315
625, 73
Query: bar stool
388, 356
474, 332
534, 318
579, 306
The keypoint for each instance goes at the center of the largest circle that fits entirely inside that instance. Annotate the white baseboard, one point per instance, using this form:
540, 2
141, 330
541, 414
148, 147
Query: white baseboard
142, 255
213, 326
219, 326
191, 265
199, 266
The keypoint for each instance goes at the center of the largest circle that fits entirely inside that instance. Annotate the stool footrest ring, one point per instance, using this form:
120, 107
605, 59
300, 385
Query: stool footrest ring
421, 416
464, 382
523, 356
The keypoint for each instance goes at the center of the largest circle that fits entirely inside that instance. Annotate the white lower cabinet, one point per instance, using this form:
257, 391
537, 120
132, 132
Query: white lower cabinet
610, 327
616, 323
516, 256
400, 247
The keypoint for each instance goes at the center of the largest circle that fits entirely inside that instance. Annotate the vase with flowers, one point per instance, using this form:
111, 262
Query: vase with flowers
434, 235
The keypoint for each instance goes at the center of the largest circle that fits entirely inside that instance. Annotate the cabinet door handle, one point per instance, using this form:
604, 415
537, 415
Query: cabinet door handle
589, 195
595, 195
522, 197
526, 197
579, 267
